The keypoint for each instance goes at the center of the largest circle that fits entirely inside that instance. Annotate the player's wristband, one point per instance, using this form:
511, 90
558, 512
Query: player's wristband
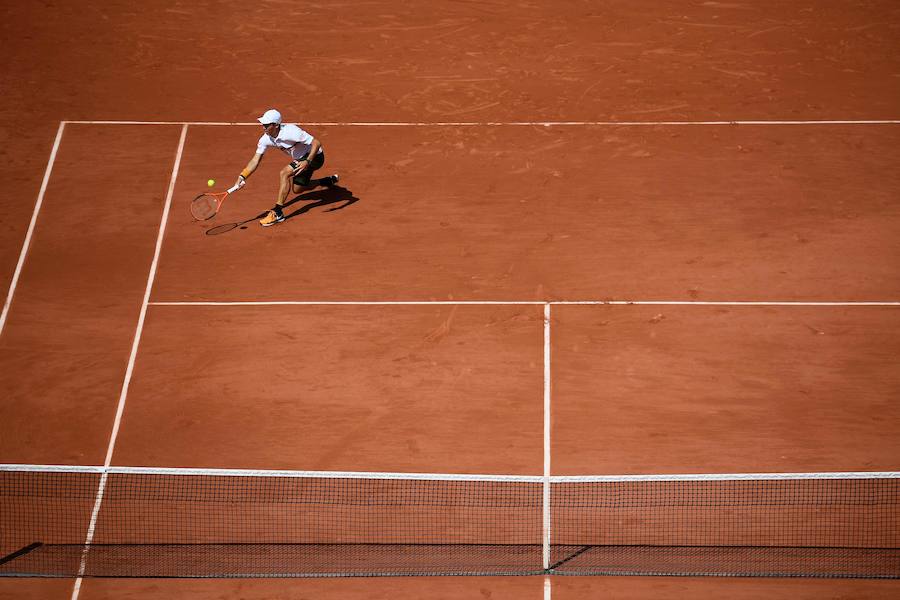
245, 173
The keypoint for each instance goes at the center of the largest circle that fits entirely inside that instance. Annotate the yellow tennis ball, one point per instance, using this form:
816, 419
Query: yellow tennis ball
210, 182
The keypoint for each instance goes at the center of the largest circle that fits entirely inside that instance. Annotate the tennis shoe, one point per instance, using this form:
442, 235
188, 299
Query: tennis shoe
271, 218
332, 180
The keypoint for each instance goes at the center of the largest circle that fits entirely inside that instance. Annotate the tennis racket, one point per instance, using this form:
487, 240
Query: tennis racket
205, 206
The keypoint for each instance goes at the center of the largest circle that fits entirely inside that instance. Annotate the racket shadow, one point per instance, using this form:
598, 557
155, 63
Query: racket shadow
226, 227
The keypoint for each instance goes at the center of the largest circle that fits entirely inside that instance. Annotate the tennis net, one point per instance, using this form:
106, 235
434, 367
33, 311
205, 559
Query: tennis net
143, 522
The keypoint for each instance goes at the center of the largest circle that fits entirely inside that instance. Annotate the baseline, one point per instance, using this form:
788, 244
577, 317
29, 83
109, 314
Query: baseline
506, 123
523, 302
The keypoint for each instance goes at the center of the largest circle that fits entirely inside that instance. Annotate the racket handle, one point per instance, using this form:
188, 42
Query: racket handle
234, 188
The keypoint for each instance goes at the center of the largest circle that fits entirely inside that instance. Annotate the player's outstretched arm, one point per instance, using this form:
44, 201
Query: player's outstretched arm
248, 170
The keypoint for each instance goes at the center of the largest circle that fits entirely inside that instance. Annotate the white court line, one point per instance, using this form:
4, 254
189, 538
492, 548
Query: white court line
503, 123
31, 226
548, 588
730, 303
525, 302
683, 477
350, 303
120, 408
545, 539
195, 472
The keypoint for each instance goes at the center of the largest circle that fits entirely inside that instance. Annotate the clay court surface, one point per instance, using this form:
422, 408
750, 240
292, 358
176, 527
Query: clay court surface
715, 182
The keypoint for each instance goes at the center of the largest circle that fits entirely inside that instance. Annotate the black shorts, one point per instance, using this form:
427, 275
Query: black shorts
314, 165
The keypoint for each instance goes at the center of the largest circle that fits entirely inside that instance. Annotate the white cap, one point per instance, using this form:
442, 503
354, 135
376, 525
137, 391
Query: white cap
270, 116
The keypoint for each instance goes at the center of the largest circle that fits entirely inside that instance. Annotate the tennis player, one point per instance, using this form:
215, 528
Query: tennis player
307, 156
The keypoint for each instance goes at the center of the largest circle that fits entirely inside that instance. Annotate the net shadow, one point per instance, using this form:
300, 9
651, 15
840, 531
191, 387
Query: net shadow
274, 560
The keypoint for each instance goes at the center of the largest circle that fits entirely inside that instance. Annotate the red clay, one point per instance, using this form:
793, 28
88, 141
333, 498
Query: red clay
664, 213
70, 328
771, 389
432, 389
509, 213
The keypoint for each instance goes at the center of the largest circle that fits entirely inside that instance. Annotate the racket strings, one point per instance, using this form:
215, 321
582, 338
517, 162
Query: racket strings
205, 206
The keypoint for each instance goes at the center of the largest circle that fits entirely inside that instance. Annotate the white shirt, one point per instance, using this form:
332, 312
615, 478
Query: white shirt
290, 139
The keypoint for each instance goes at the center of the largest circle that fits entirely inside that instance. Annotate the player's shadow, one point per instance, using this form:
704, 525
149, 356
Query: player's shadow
336, 195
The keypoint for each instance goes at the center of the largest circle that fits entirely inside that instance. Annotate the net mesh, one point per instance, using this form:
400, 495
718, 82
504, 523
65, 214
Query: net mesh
170, 523
780, 527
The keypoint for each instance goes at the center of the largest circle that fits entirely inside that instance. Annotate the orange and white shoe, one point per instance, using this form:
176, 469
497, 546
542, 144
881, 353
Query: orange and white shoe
272, 218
